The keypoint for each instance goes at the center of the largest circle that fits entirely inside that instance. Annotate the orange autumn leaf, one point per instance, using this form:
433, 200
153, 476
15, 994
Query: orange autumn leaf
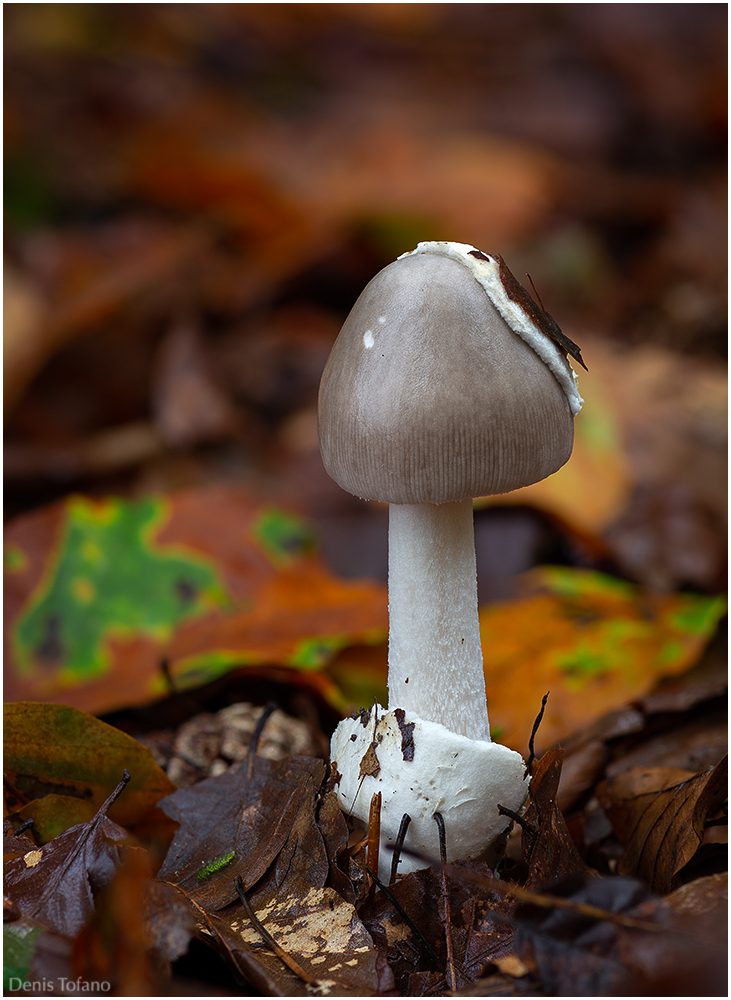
97, 592
593, 641
300, 619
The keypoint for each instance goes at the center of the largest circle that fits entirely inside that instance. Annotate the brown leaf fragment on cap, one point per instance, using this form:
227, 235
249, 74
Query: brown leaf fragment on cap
407, 734
543, 320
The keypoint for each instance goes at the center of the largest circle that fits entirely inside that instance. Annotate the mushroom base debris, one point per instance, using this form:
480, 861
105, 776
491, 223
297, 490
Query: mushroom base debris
421, 768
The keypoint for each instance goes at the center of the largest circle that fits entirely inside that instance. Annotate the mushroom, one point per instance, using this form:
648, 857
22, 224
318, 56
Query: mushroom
447, 382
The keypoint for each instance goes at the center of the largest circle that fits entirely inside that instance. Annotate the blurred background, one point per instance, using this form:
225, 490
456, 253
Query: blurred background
195, 195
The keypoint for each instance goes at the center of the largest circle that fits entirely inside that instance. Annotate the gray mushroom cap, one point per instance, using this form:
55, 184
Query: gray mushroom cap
428, 396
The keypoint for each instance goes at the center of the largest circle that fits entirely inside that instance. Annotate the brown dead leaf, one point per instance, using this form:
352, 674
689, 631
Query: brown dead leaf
250, 812
479, 931
169, 920
267, 813
335, 835
548, 849
320, 931
659, 816
581, 770
690, 744
691, 957
704, 895
56, 883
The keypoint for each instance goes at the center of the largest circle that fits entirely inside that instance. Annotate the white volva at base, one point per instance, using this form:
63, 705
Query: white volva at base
460, 778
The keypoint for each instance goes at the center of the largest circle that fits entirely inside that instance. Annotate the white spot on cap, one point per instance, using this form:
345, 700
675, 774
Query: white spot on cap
368, 338
381, 320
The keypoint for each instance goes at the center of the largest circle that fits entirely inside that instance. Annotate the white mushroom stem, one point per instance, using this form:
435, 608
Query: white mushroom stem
435, 655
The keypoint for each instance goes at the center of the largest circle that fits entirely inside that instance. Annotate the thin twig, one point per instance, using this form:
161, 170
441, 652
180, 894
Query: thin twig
287, 959
26, 825
397, 906
126, 778
167, 674
451, 976
536, 724
269, 709
516, 818
398, 846
549, 902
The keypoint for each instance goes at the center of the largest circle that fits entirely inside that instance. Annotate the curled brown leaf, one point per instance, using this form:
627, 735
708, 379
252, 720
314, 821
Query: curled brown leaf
659, 815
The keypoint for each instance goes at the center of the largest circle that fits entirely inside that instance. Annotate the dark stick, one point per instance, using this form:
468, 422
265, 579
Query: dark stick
23, 827
287, 959
536, 724
516, 818
548, 901
269, 709
126, 777
451, 975
167, 674
398, 846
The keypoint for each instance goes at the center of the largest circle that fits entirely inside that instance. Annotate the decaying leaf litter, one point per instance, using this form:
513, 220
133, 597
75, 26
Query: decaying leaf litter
215, 286
271, 833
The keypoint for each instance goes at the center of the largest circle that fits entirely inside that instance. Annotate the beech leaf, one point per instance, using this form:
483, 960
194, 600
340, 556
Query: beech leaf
56, 884
100, 592
660, 819
593, 641
548, 849
54, 749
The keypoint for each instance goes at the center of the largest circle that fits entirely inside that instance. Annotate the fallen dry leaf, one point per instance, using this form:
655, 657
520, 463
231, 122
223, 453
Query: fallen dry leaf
576, 954
593, 641
41, 325
52, 750
548, 849
410, 926
659, 815
98, 593
262, 818
56, 884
